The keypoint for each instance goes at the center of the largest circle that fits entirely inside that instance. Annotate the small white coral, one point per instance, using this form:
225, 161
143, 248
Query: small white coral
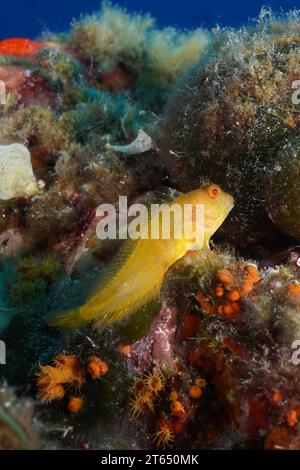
16, 174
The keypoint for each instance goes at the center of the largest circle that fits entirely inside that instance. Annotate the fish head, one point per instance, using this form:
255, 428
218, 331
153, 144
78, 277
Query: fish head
211, 205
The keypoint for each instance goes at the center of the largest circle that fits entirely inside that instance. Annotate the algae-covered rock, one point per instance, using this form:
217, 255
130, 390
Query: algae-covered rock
283, 193
233, 381
129, 49
230, 116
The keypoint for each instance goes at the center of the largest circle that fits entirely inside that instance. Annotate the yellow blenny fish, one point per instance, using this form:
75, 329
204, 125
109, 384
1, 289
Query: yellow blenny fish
136, 274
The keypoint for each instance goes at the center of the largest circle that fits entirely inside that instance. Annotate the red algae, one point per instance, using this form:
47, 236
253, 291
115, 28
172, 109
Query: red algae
19, 47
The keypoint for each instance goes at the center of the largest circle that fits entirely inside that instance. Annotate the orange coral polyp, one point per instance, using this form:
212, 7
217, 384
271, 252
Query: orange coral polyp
220, 309
164, 437
154, 382
50, 379
75, 404
200, 382
247, 287
176, 407
147, 397
292, 418
125, 350
234, 288
225, 277
52, 393
219, 291
252, 273
233, 295
68, 370
137, 408
294, 290
138, 386
49, 375
173, 396
64, 360
277, 397
228, 309
195, 391
96, 367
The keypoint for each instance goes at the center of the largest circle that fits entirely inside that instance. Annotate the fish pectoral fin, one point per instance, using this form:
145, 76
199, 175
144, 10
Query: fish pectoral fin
125, 310
113, 267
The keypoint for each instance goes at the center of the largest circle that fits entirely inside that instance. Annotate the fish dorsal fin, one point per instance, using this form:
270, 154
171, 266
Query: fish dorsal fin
165, 195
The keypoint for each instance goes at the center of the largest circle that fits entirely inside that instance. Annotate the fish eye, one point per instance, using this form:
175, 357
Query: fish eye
214, 191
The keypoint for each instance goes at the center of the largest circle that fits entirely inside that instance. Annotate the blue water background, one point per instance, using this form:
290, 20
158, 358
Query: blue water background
28, 17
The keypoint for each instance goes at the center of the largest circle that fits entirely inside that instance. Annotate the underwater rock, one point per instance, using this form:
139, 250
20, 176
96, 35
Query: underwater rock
26, 86
152, 58
118, 80
35, 90
231, 114
282, 196
243, 349
40, 131
12, 76
16, 175
157, 346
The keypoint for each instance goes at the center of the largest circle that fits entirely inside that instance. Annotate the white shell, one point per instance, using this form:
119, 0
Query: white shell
16, 175
143, 143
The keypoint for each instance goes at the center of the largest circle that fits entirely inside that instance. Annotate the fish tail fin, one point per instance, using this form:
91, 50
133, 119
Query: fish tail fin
68, 319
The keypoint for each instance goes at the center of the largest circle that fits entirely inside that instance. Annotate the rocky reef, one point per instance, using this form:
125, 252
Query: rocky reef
117, 106
233, 118
228, 377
